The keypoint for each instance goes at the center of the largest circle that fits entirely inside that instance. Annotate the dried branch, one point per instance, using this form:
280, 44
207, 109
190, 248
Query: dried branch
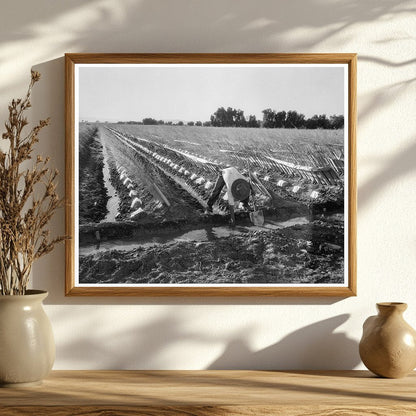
23, 218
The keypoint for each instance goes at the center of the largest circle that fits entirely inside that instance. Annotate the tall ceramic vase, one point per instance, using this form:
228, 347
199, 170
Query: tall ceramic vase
388, 344
27, 347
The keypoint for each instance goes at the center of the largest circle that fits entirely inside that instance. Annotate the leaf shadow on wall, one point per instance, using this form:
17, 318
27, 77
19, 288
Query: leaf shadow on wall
151, 345
315, 346
392, 170
144, 346
383, 97
190, 26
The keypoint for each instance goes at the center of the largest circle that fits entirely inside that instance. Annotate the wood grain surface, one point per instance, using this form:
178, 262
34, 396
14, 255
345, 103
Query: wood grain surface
203, 393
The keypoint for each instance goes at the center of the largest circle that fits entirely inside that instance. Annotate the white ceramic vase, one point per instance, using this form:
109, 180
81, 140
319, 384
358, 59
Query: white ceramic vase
27, 347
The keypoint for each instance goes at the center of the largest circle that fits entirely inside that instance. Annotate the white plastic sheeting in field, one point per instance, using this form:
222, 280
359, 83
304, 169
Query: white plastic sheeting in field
137, 212
136, 201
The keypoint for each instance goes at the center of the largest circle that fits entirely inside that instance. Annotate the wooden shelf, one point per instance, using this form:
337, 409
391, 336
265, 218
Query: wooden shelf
203, 393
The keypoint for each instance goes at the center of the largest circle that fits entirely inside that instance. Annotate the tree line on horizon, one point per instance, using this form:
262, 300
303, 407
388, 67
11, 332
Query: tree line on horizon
272, 119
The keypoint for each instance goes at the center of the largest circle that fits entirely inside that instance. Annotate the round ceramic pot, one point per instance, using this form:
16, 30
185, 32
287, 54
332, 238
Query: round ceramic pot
388, 344
27, 347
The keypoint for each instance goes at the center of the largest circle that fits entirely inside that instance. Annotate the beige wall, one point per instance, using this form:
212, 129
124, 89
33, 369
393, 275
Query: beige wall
198, 333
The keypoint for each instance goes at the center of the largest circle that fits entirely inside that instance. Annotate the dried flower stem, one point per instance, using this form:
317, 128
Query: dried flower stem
23, 237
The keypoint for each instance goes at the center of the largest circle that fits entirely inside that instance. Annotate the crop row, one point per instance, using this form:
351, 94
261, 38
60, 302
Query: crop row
199, 174
138, 200
92, 193
193, 178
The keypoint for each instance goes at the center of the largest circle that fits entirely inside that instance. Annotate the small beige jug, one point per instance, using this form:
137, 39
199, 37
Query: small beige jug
388, 344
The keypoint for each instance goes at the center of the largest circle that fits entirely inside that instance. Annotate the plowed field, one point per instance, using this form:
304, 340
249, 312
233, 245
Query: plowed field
163, 176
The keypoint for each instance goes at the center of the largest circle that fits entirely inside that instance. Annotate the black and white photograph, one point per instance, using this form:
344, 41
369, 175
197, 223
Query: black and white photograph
211, 175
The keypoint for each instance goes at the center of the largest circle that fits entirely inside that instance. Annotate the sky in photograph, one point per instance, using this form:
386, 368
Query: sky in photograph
190, 93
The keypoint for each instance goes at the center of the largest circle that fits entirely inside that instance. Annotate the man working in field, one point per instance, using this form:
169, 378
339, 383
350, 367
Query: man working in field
238, 190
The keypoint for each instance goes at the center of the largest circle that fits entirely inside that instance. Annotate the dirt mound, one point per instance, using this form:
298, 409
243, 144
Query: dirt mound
92, 192
310, 253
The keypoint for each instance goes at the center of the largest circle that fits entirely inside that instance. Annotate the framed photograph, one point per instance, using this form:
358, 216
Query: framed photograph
211, 174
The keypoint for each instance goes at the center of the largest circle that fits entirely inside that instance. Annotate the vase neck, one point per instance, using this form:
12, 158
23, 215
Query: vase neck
390, 308
36, 296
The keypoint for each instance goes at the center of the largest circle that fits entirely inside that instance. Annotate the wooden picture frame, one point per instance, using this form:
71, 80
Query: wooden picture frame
88, 75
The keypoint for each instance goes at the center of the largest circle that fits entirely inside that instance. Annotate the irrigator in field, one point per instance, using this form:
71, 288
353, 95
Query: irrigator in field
144, 209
